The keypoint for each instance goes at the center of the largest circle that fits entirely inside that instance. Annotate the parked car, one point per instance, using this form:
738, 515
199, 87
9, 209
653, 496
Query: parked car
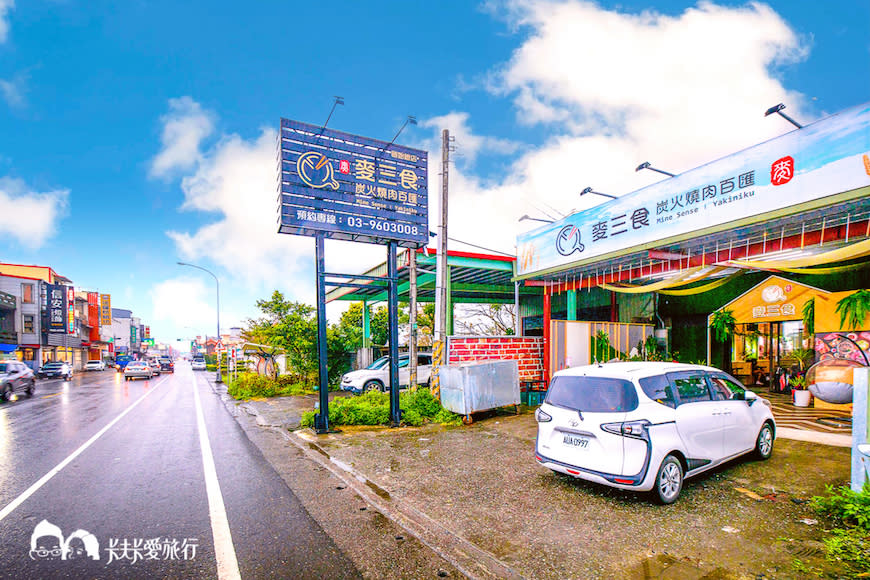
95, 365
53, 370
645, 426
198, 364
376, 376
137, 369
15, 377
166, 364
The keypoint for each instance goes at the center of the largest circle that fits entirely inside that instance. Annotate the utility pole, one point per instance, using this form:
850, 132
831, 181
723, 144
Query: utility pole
412, 316
440, 345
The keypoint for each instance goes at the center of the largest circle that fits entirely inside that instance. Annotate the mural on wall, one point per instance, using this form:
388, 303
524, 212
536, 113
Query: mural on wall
831, 345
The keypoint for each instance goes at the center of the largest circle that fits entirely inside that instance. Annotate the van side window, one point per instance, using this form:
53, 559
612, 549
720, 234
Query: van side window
725, 389
659, 389
691, 388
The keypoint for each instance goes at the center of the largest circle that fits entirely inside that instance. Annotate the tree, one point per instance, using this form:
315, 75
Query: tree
487, 319
291, 326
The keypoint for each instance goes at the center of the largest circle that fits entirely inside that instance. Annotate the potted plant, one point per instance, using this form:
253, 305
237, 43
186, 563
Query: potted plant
723, 323
800, 393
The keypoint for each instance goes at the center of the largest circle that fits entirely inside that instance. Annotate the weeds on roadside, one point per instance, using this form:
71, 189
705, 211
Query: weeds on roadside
373, 408
252, 385
849, 542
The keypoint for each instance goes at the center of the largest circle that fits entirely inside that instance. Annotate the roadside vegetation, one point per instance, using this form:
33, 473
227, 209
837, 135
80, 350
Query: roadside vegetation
253, 386
849, 539
373, 408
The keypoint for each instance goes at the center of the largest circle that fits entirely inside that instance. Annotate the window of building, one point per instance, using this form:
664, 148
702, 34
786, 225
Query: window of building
27, 324
27, 293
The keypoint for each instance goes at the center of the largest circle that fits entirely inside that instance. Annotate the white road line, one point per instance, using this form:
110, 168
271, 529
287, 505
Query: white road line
225, 552
45, 478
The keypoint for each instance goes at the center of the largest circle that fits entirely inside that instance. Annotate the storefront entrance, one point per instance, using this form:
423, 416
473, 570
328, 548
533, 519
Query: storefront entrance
759, 350
770, 343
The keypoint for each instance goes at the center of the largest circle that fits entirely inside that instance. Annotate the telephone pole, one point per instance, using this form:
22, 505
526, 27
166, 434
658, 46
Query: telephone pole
438, 351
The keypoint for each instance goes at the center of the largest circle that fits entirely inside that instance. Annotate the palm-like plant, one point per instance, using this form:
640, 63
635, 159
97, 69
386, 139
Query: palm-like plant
809, 315
854, 309
723, 323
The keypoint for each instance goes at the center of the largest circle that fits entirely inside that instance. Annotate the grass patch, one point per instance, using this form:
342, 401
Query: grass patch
252, 386
373, 408
849, 542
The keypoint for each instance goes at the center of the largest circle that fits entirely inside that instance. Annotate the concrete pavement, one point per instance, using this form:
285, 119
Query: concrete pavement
475, 496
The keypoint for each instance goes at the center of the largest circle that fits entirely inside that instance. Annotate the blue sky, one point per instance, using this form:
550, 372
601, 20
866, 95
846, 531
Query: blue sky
136, 134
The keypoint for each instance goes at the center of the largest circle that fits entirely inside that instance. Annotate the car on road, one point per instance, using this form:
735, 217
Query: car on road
155, 366
198, 364
15, 377
121, 361
166, 364
54, 370
376, 376
137, 369
646, 426
95, 365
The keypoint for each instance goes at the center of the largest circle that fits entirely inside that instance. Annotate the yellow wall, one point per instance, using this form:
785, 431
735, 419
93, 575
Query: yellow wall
38, 272
774, 300
827, 317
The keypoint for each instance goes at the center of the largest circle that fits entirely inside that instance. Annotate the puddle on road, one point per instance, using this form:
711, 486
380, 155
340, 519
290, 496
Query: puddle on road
665, 566
381, 492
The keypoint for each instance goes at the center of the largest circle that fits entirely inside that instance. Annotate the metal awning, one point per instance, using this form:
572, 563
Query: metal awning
474, 278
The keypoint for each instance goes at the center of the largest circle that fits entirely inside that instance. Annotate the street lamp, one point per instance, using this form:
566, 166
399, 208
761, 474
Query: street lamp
528, 217
218, 378
778, 110
646, 165
589, 190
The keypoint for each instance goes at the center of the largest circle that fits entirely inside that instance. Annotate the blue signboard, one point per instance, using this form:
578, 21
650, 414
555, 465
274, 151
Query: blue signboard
56, 308
349, 187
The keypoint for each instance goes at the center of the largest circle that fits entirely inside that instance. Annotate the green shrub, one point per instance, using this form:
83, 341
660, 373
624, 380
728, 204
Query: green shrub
846, 507
252, 385
850, 542
373, 408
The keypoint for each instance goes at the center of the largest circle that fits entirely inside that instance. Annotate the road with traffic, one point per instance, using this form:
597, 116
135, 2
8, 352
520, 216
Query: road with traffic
101, 477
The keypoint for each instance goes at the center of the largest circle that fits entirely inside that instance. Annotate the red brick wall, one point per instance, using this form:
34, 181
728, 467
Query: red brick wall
527, 350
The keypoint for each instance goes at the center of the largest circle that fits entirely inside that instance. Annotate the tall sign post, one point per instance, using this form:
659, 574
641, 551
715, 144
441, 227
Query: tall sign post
346, 187
440, 346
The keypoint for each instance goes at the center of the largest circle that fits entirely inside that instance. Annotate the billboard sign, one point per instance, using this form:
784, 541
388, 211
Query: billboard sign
56, 307
105, 309
71, 310
351, 188
822, 159
147, 332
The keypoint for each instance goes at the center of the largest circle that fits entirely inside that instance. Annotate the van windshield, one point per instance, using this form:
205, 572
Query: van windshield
592, 394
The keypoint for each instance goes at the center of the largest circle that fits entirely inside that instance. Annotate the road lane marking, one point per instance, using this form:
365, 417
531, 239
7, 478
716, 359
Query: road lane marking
50, 396
225, 552
45, 478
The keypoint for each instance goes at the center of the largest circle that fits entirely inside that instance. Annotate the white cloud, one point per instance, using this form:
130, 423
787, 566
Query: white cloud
184, 128
5, 7
184, 302
30, 217
615, 89
13, 91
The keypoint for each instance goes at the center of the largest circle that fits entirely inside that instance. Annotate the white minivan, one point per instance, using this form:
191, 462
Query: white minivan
648, 425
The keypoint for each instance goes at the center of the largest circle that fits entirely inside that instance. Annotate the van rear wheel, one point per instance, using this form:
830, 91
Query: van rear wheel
669, 480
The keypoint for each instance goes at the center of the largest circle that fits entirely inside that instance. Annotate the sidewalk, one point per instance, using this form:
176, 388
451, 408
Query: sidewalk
475, 495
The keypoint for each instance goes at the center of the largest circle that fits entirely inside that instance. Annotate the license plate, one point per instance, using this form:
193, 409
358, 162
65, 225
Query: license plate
575, 441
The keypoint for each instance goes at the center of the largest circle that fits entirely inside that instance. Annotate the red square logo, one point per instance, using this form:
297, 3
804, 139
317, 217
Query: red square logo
344, 166
782, 170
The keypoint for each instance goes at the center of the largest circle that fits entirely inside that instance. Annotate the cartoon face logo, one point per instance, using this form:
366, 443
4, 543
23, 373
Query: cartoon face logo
47, 543
568, 241
315, 170
782, 170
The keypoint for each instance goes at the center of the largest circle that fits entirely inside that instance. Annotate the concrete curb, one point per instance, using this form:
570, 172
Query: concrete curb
466, 557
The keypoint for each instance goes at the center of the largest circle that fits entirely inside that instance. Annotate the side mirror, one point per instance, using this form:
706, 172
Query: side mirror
750, 397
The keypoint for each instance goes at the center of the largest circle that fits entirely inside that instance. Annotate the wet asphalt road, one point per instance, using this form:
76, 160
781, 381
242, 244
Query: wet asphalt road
128, 462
